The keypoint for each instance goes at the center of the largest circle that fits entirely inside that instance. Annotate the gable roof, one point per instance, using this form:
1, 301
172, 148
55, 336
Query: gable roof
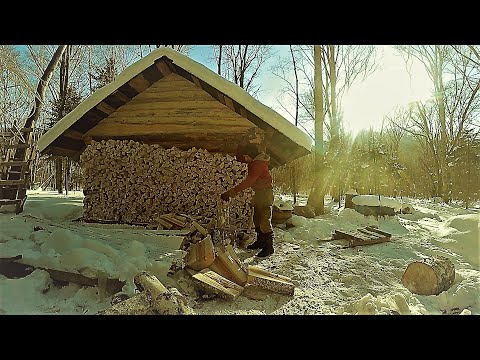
285, 142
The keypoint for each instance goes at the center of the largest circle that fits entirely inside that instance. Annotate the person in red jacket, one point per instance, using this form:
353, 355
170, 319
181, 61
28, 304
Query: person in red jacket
260, 180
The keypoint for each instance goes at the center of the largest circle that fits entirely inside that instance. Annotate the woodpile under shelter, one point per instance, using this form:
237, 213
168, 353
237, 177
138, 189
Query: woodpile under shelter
169, 101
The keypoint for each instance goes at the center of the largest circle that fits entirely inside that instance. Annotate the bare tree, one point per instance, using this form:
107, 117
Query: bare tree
342, 66
242, 63
15, 89
455, 106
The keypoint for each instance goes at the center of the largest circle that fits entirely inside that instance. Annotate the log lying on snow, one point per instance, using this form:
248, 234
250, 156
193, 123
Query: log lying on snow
270, 281
155, 298
429, 276
131, 182
136, 305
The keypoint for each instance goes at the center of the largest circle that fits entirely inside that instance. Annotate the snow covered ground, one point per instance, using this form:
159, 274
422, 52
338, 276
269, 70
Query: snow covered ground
330, 278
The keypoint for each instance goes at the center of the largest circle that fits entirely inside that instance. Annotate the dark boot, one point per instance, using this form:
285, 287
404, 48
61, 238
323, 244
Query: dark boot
259, 243
268, 245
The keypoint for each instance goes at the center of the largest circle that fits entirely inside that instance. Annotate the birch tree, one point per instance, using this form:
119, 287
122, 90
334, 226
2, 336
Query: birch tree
316, 197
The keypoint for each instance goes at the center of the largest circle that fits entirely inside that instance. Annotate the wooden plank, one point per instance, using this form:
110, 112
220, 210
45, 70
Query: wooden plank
72, 134
152, 74
229, 102
359, 242
13, 163
371, 234
211, 118
243, 112
221, 97
71, 153
170, 218
216, 284
174, 132
374, 229
342, 234
12, 182
104, 107
148, 105
163, 67
67, 143
270, 281
196, 81
121, 96
176, 95
139, 83
128, 91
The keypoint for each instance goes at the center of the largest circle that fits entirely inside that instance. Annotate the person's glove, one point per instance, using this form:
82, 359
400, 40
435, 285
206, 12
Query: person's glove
228, 194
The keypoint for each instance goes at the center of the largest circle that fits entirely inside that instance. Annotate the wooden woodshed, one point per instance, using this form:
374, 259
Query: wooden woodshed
158, 140
167, 98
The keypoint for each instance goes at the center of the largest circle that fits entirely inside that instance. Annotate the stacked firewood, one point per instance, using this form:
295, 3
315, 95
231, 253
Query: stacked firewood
132, 182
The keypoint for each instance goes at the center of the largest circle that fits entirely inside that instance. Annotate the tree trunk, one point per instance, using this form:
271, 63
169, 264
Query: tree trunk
429, 276
42, 86
334, 128
296, 124
219, 70
317, 194
58, 174
20, 154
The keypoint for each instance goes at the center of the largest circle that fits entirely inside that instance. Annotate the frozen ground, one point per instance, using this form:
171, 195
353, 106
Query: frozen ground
330, 278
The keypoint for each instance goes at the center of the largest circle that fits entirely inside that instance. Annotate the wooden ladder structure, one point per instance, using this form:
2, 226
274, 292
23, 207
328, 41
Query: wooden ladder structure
15, 167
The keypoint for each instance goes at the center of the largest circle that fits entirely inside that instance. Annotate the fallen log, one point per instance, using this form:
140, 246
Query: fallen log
214, 283
429, 276
163, 301
270, 281
136, 305
14, 270
10, 259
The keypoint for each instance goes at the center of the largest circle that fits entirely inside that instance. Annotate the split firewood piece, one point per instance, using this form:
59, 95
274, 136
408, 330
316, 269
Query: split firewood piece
429, 276
200, 228
228, 264
173, 220
164, 224
214, 283
270, 281
165, 302
200, 254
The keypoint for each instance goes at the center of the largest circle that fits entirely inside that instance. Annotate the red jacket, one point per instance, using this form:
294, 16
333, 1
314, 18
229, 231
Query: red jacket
259, 177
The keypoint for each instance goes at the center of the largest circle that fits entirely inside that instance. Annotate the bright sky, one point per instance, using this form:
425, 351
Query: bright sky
366, 103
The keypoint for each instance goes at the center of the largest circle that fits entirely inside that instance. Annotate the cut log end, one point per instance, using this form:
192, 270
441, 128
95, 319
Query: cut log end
430, 276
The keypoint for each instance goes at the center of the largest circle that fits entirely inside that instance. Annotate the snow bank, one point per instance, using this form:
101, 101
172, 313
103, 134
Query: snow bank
461, 234
373, 200
370, 305
35, 294
21, 296
48, 206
